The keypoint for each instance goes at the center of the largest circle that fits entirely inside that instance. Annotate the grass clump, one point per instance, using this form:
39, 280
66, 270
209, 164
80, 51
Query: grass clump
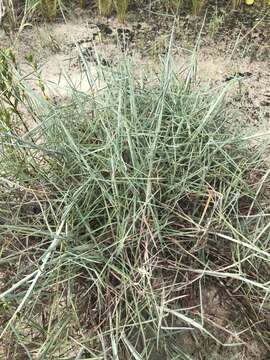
118, 211
105, 7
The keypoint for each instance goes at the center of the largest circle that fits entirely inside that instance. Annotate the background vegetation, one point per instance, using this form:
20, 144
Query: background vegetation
26, 9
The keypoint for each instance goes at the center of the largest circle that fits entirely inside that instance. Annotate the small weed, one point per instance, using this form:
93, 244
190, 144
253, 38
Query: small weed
105, 7
215, 23
11, 92
197, 6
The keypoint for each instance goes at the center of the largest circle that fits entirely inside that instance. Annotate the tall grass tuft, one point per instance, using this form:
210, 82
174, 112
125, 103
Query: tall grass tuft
197, 6
118, 210
49, 8
105, 7
121, 9
236, 4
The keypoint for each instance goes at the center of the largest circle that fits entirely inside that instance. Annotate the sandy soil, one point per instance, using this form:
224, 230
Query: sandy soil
57, 49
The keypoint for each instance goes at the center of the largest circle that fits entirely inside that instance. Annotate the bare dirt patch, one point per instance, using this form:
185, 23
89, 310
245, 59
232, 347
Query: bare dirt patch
59, 48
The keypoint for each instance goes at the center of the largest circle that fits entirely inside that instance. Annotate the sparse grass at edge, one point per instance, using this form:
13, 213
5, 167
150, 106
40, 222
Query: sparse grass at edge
118, 211
15, 15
